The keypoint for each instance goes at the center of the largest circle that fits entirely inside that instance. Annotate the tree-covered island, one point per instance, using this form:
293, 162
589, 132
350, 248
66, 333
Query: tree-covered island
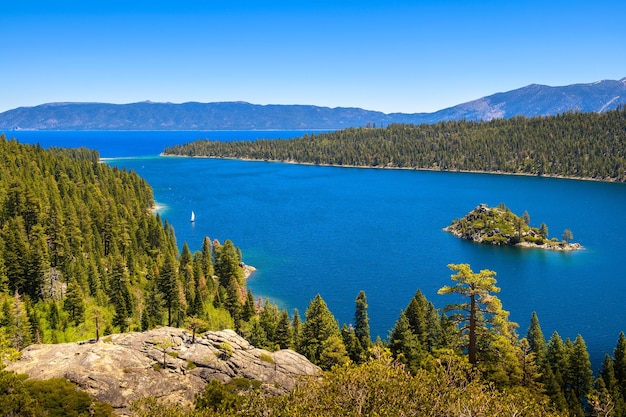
500, 226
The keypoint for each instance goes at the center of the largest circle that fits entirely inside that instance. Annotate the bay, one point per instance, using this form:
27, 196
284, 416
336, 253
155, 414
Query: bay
336, 231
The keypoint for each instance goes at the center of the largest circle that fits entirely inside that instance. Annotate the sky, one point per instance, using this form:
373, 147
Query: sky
390, 56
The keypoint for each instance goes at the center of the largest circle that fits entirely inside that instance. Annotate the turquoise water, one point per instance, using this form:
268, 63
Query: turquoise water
336, 231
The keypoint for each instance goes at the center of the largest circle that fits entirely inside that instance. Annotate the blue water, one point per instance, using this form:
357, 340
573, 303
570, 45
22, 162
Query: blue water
336, 231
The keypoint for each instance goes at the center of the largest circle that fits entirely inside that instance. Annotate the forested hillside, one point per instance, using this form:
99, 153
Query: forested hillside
580, 145
81, 251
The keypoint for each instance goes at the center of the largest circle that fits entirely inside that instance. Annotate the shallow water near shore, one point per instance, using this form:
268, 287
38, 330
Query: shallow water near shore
336, 231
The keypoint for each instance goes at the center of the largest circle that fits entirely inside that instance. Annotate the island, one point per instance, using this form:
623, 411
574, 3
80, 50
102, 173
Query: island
500, 226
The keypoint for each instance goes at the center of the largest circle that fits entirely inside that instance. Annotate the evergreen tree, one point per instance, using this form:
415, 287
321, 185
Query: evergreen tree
352, 344
169, 287
17, 324
229, 265
404, 344
249, 309
619, 364
319, 325
612, 386
362, 322
269, 319
119, 292
233, 302
333, 352
579, 375
38, 264
256, 335
152, 314
207, 259
283, 337
296, 330
482, 313
73, 303
537, 344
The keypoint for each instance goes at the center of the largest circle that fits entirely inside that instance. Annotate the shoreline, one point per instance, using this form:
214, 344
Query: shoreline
461, 171
558, 246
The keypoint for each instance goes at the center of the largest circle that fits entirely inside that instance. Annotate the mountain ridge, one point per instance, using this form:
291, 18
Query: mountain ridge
531, 100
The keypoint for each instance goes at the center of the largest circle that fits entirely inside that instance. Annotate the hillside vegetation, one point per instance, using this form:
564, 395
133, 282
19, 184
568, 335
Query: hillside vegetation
82, 255
580, 145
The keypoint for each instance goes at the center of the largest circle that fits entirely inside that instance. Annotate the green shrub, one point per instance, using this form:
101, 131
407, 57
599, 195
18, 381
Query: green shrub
226, 349
59, 397
267, 358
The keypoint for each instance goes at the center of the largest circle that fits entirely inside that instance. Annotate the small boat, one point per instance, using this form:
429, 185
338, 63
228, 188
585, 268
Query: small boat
193, 217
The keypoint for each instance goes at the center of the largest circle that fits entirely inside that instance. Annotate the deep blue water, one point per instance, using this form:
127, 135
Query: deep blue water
336, 231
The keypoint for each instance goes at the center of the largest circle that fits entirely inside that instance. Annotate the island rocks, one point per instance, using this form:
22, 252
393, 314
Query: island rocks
166, 363
499, 226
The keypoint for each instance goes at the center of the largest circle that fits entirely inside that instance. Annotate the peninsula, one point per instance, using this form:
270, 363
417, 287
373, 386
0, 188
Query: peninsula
499, 226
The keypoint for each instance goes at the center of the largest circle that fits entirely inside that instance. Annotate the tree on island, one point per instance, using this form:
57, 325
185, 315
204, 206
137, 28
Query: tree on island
567, 235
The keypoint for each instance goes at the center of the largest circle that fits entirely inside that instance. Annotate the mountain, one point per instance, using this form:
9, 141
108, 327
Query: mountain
539, 100
532, 100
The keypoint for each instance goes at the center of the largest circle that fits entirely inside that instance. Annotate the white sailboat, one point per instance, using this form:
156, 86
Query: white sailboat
193, 217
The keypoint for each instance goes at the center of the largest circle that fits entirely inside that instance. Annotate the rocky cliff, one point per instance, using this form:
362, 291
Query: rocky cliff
165, 363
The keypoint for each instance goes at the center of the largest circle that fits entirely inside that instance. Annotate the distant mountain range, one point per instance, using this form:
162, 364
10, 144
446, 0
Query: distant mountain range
532, 100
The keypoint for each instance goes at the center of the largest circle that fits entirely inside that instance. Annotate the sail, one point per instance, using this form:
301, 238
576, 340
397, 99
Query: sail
193, 216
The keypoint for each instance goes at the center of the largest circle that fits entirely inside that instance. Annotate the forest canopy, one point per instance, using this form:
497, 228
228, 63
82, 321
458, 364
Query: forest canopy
579, 145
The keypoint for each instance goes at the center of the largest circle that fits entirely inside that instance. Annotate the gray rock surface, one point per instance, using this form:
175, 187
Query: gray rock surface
163, 363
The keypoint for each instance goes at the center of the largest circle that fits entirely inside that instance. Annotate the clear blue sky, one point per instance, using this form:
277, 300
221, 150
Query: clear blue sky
391, 56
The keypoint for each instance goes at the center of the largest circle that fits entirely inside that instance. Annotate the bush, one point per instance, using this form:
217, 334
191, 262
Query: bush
59, 397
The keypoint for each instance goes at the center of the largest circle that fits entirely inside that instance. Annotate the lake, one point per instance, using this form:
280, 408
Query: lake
336, 231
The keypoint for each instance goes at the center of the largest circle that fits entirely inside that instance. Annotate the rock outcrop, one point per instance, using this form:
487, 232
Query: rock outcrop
165, 363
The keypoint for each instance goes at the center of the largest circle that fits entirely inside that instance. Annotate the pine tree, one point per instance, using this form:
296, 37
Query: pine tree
17, 324
482, 314
619, 364
416, 315
296, 330
249, 309
612, 385
319, 325
362, 322
233, 302
284, 339
207, 259
229, 265
350, 341
152, 314
73, 303
536, 340
169, 287
538, 345
404, 344
580, 376
269, 319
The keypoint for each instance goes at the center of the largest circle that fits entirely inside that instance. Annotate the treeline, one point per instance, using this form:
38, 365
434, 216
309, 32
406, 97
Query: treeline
581, 145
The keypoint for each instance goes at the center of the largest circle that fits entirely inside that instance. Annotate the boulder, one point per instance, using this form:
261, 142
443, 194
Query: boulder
162, 363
